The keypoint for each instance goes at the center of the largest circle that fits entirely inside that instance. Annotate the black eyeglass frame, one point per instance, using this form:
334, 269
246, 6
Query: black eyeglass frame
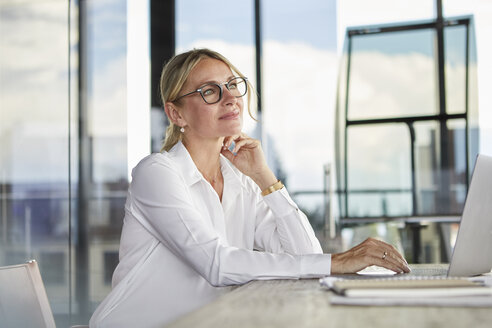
221, 92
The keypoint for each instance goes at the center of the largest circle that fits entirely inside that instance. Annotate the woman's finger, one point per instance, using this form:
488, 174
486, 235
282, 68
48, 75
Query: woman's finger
388, 265
235, 138
228, 154
244, 142
394, 251
384, 254
396, 257
390, 259
383, 246
228, 140
390, 262
369, 252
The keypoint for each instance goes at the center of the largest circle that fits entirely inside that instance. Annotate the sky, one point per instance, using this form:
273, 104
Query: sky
282, 20
299, 73
302, 45
362, 13
301, 56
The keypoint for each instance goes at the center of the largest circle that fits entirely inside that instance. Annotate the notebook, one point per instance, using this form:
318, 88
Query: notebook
406, 286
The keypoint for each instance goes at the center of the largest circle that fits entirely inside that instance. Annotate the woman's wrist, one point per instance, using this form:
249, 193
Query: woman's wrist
265, 179
336, 264
274, 187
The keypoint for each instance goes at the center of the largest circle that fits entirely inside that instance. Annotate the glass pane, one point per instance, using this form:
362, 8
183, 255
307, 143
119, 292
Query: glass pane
476, 127
299, 90
340, 121
34, 152
455, 68
299, 76
427, 162
457, 160
429, 174
358, 12
379, 178
106, 179
393, 74
202, 24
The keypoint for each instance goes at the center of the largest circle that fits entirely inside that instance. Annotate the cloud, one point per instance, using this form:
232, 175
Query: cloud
34, 75
360, 13
397, 85
34, 94
299, 83
107, 106
299, 103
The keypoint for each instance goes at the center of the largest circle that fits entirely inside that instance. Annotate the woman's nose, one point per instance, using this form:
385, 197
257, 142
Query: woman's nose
228, 96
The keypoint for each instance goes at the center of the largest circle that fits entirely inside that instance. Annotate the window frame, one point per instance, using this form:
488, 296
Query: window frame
442, 117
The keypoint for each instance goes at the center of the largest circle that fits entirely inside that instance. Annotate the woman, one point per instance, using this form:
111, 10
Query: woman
201, 216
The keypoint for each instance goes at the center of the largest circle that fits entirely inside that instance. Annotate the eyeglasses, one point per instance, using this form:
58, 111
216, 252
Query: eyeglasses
212, 92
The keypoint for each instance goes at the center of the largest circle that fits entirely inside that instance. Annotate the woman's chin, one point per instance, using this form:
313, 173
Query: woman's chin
235, 130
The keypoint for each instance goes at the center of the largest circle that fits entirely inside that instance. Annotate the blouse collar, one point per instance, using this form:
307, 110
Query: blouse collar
190, 172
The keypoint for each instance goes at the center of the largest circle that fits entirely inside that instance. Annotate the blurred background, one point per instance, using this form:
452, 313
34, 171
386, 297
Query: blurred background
371, 112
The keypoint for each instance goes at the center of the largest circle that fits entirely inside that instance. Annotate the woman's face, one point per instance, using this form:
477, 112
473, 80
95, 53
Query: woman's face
210, 121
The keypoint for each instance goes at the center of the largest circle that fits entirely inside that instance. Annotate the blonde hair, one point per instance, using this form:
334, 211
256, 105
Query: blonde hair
173, 77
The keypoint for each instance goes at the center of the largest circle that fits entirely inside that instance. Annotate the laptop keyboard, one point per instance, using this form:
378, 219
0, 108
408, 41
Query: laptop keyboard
429, 270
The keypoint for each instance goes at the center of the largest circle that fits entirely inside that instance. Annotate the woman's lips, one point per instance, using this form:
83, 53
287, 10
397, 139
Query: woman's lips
230, 116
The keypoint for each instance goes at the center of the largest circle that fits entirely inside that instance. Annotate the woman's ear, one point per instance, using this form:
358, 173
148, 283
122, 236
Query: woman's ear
174, 115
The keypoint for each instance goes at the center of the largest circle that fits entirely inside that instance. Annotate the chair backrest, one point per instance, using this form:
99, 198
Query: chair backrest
23, 299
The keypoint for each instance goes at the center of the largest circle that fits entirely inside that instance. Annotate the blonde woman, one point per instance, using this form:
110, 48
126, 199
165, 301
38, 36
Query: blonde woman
200, 217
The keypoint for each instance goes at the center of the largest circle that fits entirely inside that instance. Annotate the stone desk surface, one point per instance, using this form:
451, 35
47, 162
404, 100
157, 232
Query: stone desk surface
303, 303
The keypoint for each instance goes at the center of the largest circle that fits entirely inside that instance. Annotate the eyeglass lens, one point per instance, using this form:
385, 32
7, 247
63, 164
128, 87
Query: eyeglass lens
212, 93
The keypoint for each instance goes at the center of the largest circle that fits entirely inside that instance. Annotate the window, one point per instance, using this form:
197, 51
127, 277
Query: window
298, 97
49, 209
202, 24
407, 134
34, 141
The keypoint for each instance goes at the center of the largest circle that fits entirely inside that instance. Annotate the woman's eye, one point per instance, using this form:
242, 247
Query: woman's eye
233, 86
208, 92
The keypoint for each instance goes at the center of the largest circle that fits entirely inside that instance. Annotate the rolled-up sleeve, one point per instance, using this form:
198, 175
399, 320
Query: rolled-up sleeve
161, 202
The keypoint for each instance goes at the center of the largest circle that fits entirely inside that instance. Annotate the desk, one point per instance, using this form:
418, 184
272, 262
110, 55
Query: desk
303, 303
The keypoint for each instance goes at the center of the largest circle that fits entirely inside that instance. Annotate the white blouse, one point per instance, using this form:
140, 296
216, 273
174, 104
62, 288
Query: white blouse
181, 246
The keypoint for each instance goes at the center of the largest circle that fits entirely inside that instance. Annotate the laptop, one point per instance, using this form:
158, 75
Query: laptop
472, 254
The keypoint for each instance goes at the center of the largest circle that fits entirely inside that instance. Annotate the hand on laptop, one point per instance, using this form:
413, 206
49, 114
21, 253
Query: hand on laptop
369, 252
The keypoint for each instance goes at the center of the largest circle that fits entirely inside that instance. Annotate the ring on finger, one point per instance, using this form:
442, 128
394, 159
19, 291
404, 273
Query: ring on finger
384, 255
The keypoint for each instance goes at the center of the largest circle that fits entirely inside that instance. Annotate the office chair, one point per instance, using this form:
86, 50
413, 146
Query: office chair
23, 300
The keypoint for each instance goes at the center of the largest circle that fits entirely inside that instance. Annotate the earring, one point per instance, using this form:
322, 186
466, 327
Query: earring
182, 130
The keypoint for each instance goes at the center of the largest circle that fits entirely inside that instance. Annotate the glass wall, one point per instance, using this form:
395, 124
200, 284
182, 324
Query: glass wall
203, 24
384, 68
299, 76
64, 127
34, 117
414, 154
104, 168
407, 133
291, 86
63, 145
387, 190
34, 142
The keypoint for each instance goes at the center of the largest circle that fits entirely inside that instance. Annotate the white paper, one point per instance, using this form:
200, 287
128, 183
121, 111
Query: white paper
463, 301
